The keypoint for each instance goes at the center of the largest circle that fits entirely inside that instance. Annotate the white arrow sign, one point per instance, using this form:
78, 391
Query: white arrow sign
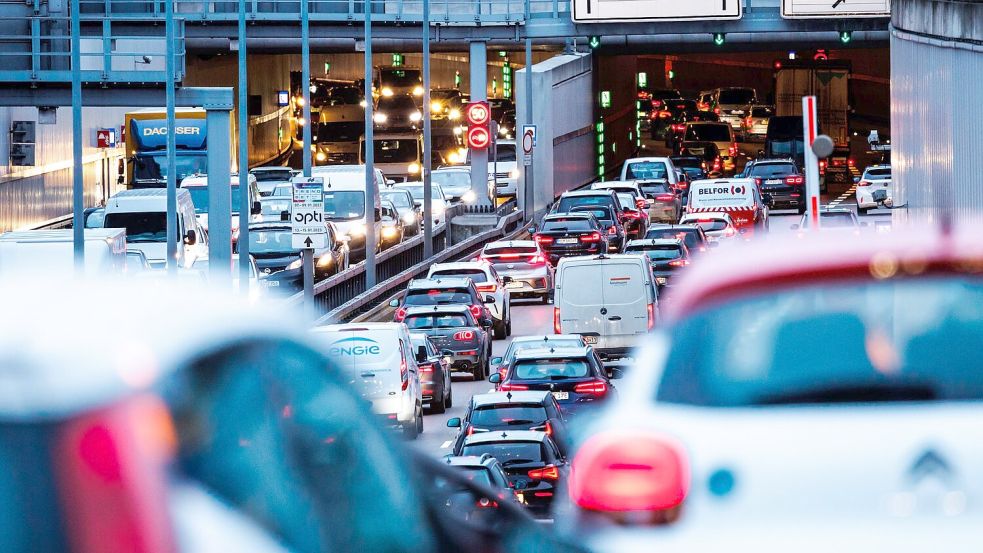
589, 11
794, 9
307, 227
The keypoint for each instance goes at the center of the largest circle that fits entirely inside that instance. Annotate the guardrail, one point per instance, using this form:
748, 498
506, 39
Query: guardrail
366, 300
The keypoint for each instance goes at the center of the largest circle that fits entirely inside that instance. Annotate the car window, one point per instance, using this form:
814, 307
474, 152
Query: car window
878, 173
398, 199
708, 133
512, 414
710, 225
272, 175
646, 170
567, 223
438, 296
567, 203
856, 342
836, 219
476, 275
772, 170
600, 213
762, 112
436, 321
522, 345
505, 152
657, 253
551, 369
511, 250
652, 189
740, 96
477, 474
507, 451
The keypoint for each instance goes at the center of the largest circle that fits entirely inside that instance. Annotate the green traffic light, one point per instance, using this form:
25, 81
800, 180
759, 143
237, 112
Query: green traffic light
719, 39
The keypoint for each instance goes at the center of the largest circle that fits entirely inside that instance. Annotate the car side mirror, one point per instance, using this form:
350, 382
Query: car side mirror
496, 361
856, 180
257, 208
615, 373
191, 237
394, 303
454, 422
495, 378
489, 298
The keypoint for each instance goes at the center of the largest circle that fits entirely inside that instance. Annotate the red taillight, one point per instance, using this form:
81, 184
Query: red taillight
679, 263
863, 183
733, 150
506, 387
650, 309
400, 315
657, 103
716, 164
464, 335
488, 288
476, 311
470, 430
730, 231
624, 471
665, 197
716, 110
540, 239
757, 182
613, 230
548, 429
549, 472
426, 367
795, 180
664, 114
851, 162
404, 374
640, 203
593, 387
485, 503
556, 320
592, 237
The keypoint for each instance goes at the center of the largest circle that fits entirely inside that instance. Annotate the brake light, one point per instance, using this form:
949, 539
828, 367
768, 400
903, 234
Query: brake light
650, 311
593, 387
613, 230
464, 335
757, 182
627, 471
549, 472
537, 259
404, 374
863, 183
506, 387
556, 320
716, 110
663, 114
731, 231
476, 311
665, 197
400, 315
657, 103
548, 429
716, 164
795, 180
426, 368
470, 430
592, 237
851, 162
488, 288
679, 262
733, 149
640, 203
540, 239
486, 503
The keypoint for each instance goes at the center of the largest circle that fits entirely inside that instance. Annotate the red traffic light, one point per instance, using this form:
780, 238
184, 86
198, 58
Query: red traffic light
477, 113
478, 138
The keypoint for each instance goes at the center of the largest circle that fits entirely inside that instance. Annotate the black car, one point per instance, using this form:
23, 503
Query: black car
708, 152
571, 234
518, 410
601, 196
693, 236
695, 167
398, 112
486, 471
782, 180
610, 222
665, 255
460, 336
679, 128
531, 461
271, 246
444, 291
574, 375
435, 373
672, 112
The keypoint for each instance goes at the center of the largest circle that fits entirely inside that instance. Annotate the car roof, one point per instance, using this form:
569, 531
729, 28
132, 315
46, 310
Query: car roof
511, 244
506, 436
442, 282
461, 265
449, 308
569, 214
579, 193
656, 242
648, 158
707, 215
687, 226
545, 338
554, 352
469, 460
497, 398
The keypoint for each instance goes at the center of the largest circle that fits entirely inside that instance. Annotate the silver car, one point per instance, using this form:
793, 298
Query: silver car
454, 181
525, 266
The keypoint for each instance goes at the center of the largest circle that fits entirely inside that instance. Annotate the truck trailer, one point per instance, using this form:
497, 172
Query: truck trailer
146, 146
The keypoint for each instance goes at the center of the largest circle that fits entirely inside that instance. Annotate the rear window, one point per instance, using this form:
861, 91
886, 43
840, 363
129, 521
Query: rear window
504, 152
600, 213
273, 175
571, 223
452, 320
507, 452
878, 173
655, 188
438, 296
512, 414
476, 275
741, 96
647, 170
657, 253
477, 474
567, 203
837, 219
709, 225
762, 112
511, 250
516, 347
684, 162
691, 237
550, 369
770, 170
708, 133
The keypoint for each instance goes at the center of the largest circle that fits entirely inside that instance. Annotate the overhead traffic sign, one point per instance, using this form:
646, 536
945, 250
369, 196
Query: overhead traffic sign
595, 11
307, 227
795, 9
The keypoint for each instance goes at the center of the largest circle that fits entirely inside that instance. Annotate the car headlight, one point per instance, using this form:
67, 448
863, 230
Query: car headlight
454, 114
297, 264
380, 117
503, 131
413, 168
416, 116
418, 90
357, 230
514, 173
409, 218
469, 197
321, 156
436, 107
300, 101
325, 260
387, 92
388, 231
454, 157
364, 104
301, 121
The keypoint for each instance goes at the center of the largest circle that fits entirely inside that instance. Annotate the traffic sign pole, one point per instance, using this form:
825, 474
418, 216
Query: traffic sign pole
809, 127
307, 265
530, 201
308, 229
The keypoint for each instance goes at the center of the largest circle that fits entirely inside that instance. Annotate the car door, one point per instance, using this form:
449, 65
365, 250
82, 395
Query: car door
624, 309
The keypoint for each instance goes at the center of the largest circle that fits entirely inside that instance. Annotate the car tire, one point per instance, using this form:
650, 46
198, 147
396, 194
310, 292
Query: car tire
477, 371
500, 331
449, 402
419, 421
508, 325
802, 210
438, 407
412, 431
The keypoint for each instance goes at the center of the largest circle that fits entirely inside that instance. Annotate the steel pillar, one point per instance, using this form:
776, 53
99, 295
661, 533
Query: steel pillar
245, 203
427, 138
219, 198
370, 189
78, 189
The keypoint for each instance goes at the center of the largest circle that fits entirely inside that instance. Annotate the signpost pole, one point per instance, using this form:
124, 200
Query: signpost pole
530, 200
811, 161
245, 202
427, 138
370, 191
307, 265
78, 186
305, 83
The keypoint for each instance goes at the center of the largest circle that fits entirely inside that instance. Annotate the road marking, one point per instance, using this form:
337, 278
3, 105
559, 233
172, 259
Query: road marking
843, 197
446, 444
490, 391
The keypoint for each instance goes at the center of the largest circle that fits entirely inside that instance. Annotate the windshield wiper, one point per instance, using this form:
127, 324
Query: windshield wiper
856, 393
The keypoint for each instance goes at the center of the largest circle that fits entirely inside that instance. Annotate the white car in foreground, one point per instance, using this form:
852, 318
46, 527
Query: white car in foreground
875, 177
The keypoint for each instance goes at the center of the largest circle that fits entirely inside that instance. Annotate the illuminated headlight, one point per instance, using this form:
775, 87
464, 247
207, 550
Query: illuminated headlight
409, 218
416, 116
363, 103
295, 265
325, 261
418, 90
387, 92
389, 232
301, 121
454, 114
299, 100
321, 156
413, 168
469, 197
358, 230
503, 131
436, 107
380, 118
454, 157
514, 173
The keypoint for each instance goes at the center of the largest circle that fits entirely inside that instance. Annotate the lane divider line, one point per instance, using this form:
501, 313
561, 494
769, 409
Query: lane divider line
446, 444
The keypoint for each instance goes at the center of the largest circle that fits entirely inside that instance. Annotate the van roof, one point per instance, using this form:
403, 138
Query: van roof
143, 199
655, 242
59, 235
594, 260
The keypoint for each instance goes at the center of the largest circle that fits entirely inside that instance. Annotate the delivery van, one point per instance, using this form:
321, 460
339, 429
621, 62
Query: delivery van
739, 198
610, 300
143, 213
52, 252
379, 361
345, 202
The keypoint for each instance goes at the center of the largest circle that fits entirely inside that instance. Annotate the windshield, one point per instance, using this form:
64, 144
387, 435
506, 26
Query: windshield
646, 170
269, 241
708, 133
398, 199
657, 253
453, 320
504, 152
344, 204
401, 77
438, 296
417, 192
274, 208
509, 414
772, 170
517, 452
337, 131
397, 103
655, 188
738, 96
567, 223
399, 150
853, 342
762, 112
511, 250
199, 195
567, 203
452, 178
550, 369
833, 219
476, 275
695, 173
787, 147
272, 175
144, 226
154, 167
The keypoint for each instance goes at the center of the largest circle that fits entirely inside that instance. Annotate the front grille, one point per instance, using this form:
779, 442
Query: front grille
502, 175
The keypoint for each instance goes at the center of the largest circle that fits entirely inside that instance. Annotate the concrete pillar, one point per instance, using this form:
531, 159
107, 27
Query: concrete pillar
479, 92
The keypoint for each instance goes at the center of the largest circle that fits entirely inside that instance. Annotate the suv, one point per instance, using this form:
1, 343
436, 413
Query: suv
516, 410
782, 180
731, 104
570, 234
487, 281
454, 330
444, 291
486, 470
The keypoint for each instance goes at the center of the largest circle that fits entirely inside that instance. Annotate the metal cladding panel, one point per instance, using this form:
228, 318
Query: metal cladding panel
936, 107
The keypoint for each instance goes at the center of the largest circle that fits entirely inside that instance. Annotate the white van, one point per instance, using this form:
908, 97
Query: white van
398, 154
610, 300
344, 203
197, 186
143, 213
379, 361
35, 252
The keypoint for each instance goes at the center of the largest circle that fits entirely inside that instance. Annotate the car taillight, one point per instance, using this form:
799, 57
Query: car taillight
640, 203
716, 110
404, 373
665, 197
757, 182
549, 472
464, 335
540, 239
730, 231
679, 263
795, 180
426, 367
716, 164
485, 503
482, 259
592, 237
733, 149
593, 387
863, 183
657, 103
663, 114
851, 162
613, 230
650, 310
111, 471
400, 315
488, 288
506, 387
476, 311
626, 471
556, 320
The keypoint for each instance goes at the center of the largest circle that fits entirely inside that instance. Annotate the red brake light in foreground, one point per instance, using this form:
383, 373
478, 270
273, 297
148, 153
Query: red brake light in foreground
488, 288
863, 183
537, 259
665, 197
593, 387
400, 315
627, 471
795, 180
549, 472
476, 311
464, 335
651, 316
679, 262
592, 237
556, 320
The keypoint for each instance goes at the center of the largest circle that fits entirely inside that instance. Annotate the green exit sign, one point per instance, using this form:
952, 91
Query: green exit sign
605, 98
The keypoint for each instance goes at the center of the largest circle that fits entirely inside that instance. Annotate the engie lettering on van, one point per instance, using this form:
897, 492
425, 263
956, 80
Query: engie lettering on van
355, 346
162, 131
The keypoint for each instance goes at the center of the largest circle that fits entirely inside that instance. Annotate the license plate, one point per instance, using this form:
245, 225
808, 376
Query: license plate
738, 112
513, 285
567, 241
661, 280
520, 497
561, 395
773, 181
590, 339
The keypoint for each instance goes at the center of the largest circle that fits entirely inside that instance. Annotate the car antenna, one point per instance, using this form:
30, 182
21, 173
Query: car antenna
504, 435
447, 459
508, 395
552, 350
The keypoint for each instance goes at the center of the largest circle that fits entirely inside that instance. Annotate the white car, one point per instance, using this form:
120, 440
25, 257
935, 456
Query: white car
438, 202
503, 174
489, 283
269, 177
650, 168
526, 265
455, 182
875, 177
717, 225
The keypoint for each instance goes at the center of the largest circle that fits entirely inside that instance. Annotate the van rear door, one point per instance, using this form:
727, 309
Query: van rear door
369, 360
581, 299
623, 285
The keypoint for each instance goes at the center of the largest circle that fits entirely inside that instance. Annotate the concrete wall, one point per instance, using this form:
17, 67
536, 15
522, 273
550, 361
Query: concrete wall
563, 113
936, 64
617, 75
